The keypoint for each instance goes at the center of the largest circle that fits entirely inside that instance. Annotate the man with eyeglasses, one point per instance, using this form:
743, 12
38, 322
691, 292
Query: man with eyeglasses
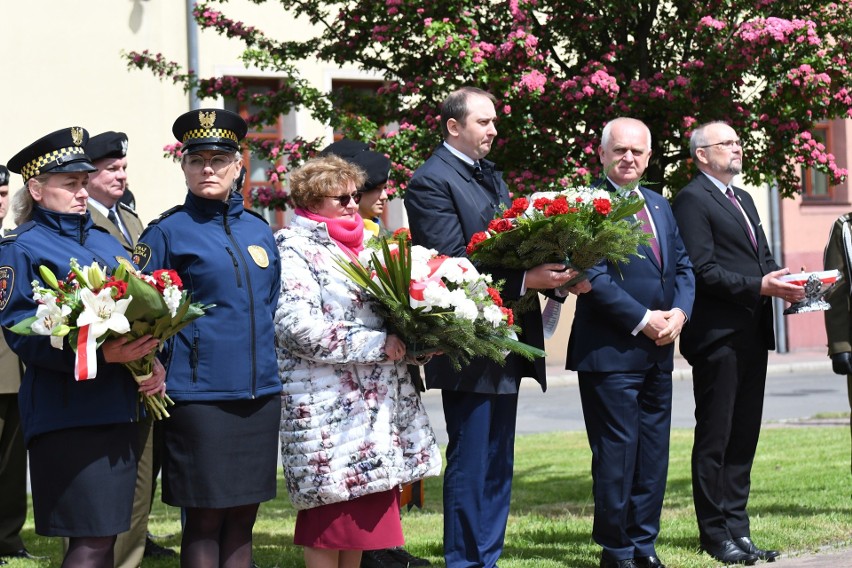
727, 339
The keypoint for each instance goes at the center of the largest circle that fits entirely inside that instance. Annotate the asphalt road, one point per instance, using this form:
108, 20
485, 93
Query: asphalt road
790, 397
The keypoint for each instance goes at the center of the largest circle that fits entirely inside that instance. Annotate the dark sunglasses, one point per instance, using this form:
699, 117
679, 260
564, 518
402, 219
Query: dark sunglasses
344, 199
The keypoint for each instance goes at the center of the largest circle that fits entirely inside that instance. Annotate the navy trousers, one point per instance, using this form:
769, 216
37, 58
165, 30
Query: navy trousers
478, 476
628, 423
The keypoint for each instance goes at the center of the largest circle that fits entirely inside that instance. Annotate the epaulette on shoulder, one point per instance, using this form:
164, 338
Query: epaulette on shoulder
99, 228
19, 230
128, 208
166, 213
256, 214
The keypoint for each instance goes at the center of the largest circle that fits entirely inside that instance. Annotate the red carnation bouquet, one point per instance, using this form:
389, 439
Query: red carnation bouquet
579, 227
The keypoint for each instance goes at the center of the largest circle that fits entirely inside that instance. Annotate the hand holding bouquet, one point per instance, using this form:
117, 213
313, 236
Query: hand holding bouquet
578, 227
437, 304
91, 306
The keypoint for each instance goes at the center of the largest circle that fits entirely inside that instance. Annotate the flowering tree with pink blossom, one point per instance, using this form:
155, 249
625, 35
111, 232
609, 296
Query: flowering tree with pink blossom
560, 70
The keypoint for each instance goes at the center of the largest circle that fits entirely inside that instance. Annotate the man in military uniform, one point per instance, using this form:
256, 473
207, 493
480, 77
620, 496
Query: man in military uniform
838, 320
106, 187
13, 454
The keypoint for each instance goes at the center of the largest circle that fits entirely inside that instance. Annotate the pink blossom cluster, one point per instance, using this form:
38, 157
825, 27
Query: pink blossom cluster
228, 86
532, 82
711, 22
810, 152
761, 30
210, 18
270, 198
173, 151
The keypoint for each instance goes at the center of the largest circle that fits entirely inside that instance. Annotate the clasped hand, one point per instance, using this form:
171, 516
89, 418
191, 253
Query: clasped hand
664, 326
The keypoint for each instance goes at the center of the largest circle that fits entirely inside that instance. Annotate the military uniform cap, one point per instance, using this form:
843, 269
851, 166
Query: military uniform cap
4, 175
62, 151
107, 145
376, 165
209, 129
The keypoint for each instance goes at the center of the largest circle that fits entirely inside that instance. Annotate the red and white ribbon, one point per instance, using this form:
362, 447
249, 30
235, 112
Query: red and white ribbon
86, 362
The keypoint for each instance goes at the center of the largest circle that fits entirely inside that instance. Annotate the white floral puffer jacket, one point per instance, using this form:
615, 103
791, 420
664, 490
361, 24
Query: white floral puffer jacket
351, 422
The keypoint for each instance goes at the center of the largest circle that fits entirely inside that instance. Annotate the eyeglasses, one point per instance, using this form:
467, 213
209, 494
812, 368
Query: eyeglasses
344, 199
727, 144
217, 163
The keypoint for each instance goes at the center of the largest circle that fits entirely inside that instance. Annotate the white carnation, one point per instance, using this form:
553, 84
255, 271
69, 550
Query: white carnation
436, 295
492, 315
467, 309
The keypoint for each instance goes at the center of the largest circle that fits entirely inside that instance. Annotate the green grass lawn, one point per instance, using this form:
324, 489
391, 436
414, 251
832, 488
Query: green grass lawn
800, 501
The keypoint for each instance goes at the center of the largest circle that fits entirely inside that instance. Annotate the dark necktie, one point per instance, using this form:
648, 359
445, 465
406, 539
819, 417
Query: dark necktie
477, 172
642, 215
732, 198
113, 218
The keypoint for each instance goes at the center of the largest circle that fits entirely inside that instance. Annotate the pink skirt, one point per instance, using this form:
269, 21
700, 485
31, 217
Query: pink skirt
370, 522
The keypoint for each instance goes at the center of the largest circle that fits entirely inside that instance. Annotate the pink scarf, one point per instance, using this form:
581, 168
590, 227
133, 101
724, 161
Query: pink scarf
347, 233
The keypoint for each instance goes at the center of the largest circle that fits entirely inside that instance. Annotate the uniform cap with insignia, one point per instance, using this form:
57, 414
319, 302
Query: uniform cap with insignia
209, 129
4, 175
376, 165
62, 151
107, 145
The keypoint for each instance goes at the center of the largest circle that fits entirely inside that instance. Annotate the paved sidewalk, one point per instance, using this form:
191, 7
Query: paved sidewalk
824, 558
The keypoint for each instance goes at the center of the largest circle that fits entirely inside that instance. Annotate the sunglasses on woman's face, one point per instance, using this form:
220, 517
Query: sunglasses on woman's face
344, 199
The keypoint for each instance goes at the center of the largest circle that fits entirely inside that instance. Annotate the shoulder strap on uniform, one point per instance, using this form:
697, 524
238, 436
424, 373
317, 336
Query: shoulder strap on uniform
12, 234
167, 213
127, 208
256, 214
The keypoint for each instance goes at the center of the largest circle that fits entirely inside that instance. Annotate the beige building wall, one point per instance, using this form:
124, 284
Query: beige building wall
61, 65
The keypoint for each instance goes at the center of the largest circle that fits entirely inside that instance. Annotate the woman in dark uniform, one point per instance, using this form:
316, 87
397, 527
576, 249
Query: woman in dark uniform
81, 435
219, 459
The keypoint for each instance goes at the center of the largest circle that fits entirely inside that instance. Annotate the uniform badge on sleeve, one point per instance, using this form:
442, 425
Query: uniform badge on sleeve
7, 284
259, 256
141, 255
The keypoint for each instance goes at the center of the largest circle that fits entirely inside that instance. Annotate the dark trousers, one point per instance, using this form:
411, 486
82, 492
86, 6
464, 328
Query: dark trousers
628, 423
13, 475
478, 476
728, 385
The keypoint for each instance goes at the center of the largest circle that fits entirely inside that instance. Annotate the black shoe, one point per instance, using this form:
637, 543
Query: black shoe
380, 559
23, 554
607, 563
407, 559
746, 545
727, 552
649, 562
154, 550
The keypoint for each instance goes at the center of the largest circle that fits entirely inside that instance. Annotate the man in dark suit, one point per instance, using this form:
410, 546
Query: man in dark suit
622, 345
727, 339
450, 197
